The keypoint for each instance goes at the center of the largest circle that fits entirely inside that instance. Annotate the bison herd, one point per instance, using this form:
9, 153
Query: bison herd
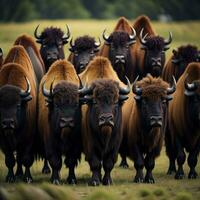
119, 98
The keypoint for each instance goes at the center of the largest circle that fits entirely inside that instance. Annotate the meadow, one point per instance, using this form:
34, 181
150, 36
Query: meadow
166, 187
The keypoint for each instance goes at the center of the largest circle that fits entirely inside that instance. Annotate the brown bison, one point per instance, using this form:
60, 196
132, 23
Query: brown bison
82, 51
59, 118
17, 113
179, 61
183, 130
150, 48
31, 48
1, 57
144, 120
102, 117
52, 41
119, 48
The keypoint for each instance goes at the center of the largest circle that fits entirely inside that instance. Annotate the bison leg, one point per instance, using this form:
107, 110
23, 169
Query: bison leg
180, 160
46, 168
108, 165
27, 162
71, 163
149, 165
10, 163
95, 166
124, 163
19, 172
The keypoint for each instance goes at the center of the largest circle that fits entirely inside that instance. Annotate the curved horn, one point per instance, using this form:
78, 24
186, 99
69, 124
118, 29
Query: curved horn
136, 90
45, 92
169, 40
71, 43
125, 91
133, 35
26, 93
85, 91
105, 37
190, 86
38, 37
67, 35
142, 39
172, 89
97, 44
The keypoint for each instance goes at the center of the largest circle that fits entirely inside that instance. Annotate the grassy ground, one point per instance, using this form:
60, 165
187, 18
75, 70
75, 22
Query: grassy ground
123, 187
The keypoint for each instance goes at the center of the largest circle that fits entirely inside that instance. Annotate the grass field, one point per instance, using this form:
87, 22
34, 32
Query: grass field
123, 187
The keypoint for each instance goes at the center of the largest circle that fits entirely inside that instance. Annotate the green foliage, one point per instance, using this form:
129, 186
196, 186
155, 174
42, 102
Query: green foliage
183, 196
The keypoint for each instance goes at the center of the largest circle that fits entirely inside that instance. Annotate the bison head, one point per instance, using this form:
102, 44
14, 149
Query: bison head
13, 102
52, 41
119, 49
152, 96
182, 57
64, 105
154, 47
192, 92
104, 98
84, 50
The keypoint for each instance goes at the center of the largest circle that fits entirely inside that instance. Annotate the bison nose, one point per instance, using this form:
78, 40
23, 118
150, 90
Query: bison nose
106, 120
119, 59
66, 122
156, 121
83, 64
52, 56
156, 61
8, 123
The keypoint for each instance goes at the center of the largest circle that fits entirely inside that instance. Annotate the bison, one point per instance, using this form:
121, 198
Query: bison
102, 116
31, 48
17, 113
52, 41
118, 47
59, 120
150, 48
144, 120
183, 130
82, 51
178, 62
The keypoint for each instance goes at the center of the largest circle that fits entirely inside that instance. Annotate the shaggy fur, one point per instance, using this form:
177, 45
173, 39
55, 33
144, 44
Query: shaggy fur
119, 38
186, 54
83, 43
51, 34
155, 43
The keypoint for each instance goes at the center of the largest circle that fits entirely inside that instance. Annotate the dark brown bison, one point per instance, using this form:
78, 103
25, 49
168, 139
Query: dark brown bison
144, 120
178, 62
118, 47
1, 57
150, 48
17, 113
31, 48
183, 130
102, 130
82, 51
52, 41
59, 118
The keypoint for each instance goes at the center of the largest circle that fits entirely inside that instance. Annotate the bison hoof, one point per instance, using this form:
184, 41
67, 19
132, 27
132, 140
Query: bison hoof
107, 181
10, 179
72, 181
124, 165
28, 180
138, 180
46, 170
179, 176
93, 183
149, 180
171, 171
192, 175
56, 181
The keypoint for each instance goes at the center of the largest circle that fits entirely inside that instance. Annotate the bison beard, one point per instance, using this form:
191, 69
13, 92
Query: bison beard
106, 132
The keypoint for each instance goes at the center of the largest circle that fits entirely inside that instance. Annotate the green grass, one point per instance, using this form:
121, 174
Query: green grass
123, 187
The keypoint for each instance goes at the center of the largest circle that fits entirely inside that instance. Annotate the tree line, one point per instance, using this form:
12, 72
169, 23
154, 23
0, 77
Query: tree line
26, 10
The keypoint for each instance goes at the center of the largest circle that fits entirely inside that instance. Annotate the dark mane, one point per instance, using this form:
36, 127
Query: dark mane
155, 43
51, 33
119, 38
188, 52
83, 43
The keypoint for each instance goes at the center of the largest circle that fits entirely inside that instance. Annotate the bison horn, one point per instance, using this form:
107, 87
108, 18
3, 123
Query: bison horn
169, 40
1, 52
143, 39
172, 89
125, 91
97, 44
136, 90
47, 93
106, 38
133, 35
25, 95
189, 87
38, 37
71, 45
66, 36
85, 91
